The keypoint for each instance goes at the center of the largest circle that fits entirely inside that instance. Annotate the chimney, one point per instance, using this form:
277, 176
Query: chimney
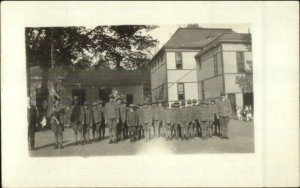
192, 26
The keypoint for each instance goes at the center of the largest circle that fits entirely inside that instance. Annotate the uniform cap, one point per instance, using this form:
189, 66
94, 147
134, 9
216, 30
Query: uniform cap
85, 103
167, 104
194, 100
131, 106
222, 93
189, 101
94, 103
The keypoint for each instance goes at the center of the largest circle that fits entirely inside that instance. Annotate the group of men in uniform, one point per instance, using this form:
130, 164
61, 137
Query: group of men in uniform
184, 120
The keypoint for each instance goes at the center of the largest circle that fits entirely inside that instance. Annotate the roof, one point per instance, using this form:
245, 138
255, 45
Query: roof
109, 78
226, 37
95, 77
192, 38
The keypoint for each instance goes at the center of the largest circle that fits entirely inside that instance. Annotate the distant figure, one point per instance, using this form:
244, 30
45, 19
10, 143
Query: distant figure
239, 113
248, 113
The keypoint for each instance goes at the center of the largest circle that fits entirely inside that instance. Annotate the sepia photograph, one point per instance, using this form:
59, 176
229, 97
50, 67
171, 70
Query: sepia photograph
149, 94
133, 89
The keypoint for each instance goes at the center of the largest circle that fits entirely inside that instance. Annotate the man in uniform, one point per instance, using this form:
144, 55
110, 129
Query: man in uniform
56, 124
32, 122
140, 130
203, 117
122, 118
101, 110
75, 119
184, 121
191, 119
216, 123
210, 118
167, 121
176, 119
157, 118
132, 121
194, 128
146, 119
224, 113
87, 122
97, 119
111, 118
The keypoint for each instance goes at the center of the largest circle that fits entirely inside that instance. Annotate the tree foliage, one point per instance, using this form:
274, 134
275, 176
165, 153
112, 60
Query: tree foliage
245, 81
118, 47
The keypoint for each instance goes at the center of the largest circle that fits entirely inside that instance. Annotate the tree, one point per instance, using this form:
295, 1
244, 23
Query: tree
245, 81
48, 47
123, 47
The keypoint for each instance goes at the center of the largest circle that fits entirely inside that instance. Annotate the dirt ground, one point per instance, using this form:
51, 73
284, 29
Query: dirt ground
241, 141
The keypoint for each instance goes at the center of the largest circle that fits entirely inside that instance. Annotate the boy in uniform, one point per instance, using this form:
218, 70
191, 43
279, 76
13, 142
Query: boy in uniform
203, 118
210, 119
75, 120
111, 118
167, 121
56, 124
132, 121
87, 122
101, 110
176, 119
97, 119
146, 118
194, 128
157, 118
184, 121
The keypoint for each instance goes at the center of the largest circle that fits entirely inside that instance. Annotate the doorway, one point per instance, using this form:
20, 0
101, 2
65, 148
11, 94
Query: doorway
104, 94
80, 93
231, 98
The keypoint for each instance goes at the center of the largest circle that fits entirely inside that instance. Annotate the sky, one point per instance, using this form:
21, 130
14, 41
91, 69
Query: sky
164, 32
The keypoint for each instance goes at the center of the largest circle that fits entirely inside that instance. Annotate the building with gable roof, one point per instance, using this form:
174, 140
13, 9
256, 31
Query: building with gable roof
173, 67
199, 63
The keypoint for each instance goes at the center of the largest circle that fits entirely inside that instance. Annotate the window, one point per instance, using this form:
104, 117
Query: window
178, 59
180, 91
240, 60
215, 65
202, 90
